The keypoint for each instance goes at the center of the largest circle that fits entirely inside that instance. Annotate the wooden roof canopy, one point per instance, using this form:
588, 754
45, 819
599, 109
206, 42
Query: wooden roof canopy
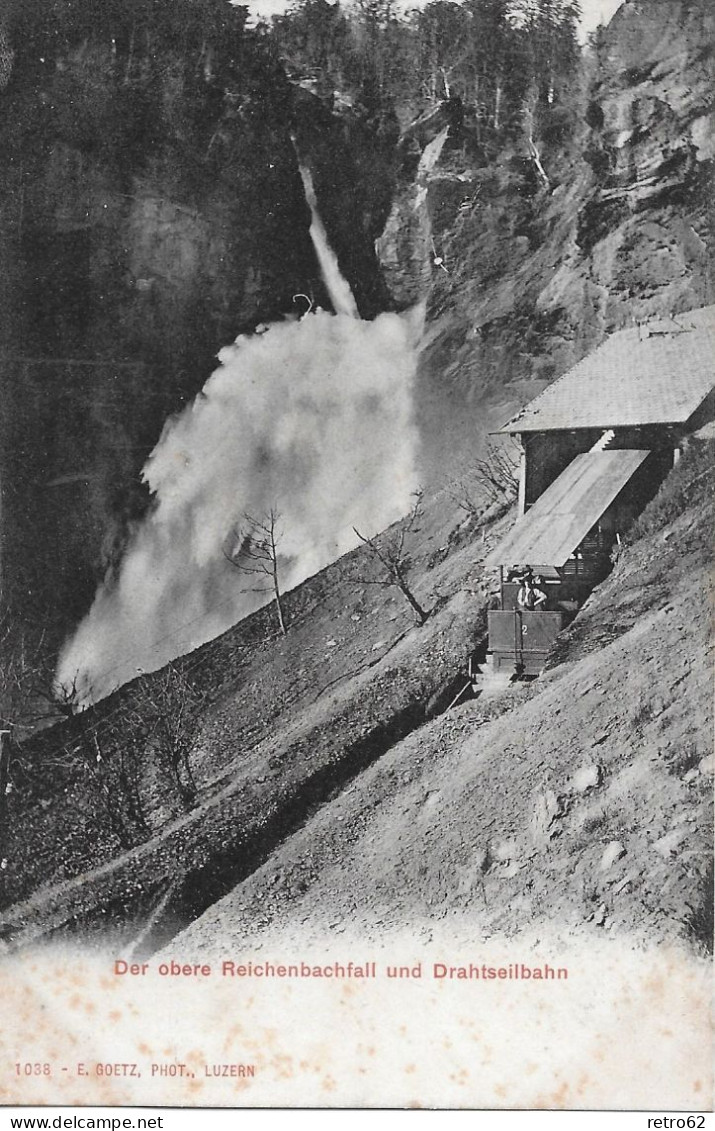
560, 519
656, 373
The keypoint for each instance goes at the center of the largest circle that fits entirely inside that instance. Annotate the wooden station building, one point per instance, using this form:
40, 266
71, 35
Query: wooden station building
596, 446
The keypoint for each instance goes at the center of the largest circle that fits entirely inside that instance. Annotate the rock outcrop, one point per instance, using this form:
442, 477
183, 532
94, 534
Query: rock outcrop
530, 278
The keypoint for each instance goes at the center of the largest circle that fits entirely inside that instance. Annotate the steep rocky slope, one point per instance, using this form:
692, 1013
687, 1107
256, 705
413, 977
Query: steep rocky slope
287, 721
534, 277
586, 808
322, 820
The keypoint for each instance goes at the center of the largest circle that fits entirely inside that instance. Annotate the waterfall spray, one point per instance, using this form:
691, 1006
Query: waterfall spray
311, 418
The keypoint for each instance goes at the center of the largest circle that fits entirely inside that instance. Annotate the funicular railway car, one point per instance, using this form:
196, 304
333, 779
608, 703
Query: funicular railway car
563, 544
596, 445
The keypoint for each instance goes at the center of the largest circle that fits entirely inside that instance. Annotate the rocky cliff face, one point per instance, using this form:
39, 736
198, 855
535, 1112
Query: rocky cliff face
531, 277
643, 229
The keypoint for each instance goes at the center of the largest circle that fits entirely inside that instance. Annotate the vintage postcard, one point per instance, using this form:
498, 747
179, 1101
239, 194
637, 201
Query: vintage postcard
358, 378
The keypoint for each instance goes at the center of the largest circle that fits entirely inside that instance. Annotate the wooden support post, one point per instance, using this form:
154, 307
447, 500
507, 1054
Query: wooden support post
522, 482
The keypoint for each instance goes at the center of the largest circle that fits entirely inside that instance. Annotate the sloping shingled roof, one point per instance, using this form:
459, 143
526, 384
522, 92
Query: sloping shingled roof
631, 379
561, 518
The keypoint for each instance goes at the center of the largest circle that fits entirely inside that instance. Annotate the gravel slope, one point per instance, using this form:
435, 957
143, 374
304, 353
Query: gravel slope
587, 806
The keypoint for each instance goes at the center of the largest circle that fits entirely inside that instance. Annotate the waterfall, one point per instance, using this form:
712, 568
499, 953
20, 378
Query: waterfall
428, 160
338, 288
312, 419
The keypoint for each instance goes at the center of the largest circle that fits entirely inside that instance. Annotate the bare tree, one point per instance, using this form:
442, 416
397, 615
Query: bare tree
491, 480
255, 551
394, 559
498, 473
19, 667
28, 697
164, 713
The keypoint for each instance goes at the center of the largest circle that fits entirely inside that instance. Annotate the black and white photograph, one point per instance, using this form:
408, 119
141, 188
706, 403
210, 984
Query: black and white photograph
357, 377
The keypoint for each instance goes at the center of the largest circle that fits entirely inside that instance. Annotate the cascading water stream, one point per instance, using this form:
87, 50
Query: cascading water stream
338, 288
312, 419
428, 160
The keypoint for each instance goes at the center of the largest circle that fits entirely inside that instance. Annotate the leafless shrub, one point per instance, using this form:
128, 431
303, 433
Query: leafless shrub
27, 696
391, 553
494, 479
164, 712
255, 552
